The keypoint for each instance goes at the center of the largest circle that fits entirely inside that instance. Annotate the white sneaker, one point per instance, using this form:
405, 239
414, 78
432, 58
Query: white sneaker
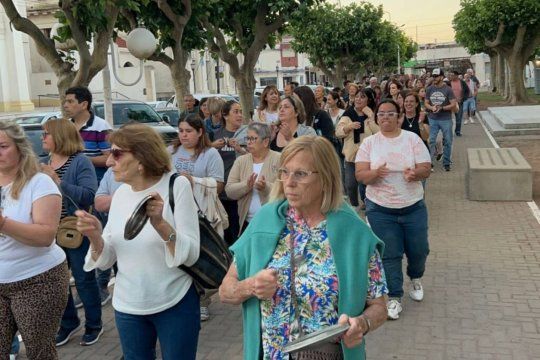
417, 291
472, 120
394, 308
12, 357
466, 122
205, 314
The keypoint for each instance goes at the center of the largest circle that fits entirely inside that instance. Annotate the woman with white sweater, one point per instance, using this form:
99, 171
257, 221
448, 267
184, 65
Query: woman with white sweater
153, 299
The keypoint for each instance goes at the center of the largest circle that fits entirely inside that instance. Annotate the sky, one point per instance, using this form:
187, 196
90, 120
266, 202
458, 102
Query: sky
424, 21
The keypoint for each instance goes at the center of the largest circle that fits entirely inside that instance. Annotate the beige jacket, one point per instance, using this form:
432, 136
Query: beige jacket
349, 147
237, 188
206, 197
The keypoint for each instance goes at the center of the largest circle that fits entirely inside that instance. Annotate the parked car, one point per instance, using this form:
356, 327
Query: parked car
157, 104
170, 115
199, 96
32, 124
126, 111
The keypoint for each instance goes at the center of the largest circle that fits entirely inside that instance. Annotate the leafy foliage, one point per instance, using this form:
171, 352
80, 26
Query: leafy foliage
478, 21
355, 37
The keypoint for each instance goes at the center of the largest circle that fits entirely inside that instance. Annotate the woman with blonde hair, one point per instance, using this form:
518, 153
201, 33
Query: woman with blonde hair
214, 106
145, 307
74, 174
33, 269
267, 112
307, 261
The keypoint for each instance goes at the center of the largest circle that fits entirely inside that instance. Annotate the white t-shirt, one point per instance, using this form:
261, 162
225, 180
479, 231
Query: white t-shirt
255, 203
148, 280
17, 260
337, 117
399, 153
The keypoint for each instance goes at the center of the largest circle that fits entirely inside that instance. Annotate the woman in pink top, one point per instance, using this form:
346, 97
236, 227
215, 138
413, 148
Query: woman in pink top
393, 163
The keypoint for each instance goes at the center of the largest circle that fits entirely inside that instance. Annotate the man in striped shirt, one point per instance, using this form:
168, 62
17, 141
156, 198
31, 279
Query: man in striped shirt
93, 129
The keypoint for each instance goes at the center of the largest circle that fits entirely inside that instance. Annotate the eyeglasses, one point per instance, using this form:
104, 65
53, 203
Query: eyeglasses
44, 134
117, 153
387, 114
298, 175
251, 138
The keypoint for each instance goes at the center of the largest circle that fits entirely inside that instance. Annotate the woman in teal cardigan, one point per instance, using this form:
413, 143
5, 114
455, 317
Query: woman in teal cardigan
336, 268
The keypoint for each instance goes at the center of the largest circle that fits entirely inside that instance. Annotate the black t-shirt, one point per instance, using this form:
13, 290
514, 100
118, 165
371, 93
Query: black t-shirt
411, 124
227, 152
323, 125
354, 116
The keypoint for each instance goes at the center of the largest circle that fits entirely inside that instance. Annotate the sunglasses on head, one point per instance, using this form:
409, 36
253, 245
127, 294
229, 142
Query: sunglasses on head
117, 153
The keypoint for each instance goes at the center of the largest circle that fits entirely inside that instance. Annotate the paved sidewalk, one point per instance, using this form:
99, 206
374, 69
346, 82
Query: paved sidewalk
482, 285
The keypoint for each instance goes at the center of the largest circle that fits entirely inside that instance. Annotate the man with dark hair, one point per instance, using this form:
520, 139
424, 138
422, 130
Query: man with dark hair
93, 129
440, 102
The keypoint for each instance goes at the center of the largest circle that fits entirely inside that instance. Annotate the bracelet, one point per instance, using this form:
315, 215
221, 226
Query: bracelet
368, 323
3, 223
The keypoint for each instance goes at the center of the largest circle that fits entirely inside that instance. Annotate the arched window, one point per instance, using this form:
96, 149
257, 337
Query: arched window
128, 64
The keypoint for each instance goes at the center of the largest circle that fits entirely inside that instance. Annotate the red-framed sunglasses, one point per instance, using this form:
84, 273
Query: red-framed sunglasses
117, 153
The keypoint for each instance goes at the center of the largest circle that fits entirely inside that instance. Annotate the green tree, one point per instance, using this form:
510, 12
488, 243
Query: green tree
348, 40
89, 24
238, 30
509, 28
174, 24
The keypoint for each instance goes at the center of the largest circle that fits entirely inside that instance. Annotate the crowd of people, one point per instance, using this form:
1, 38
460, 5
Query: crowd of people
284, 189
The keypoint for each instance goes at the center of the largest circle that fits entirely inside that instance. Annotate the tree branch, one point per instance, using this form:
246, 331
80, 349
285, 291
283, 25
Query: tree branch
44, 45
85, 59
130, 17
101, 42
498, 40
162, 58
518, 43
218, 44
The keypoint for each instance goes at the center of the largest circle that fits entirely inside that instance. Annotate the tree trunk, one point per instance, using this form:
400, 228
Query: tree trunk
501, 72
180, 76
493, 72
338, 78
517, 93
245, 82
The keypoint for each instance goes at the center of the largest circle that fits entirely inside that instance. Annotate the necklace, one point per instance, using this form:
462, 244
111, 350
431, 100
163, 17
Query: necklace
409, 121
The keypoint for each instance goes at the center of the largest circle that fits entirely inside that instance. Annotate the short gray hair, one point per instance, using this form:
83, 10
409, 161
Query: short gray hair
261, 129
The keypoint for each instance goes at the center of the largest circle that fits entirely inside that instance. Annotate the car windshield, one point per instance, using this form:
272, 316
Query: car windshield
125, 113
30, 120
174, 115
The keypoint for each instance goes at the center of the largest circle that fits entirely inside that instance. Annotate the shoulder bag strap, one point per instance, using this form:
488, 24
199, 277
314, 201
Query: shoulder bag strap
171, 194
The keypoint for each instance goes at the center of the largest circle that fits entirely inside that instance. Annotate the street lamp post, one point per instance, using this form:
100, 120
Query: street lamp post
141, 43
277, 76
193, 65
398, 61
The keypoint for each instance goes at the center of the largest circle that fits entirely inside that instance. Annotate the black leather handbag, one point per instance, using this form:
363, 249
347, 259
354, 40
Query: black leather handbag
214, 256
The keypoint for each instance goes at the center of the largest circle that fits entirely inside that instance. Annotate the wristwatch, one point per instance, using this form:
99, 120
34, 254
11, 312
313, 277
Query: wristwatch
171, 237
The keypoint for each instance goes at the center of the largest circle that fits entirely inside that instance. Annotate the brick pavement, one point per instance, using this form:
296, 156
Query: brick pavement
482, 283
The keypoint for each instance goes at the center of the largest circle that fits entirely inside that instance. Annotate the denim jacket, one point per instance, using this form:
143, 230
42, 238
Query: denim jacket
79, 183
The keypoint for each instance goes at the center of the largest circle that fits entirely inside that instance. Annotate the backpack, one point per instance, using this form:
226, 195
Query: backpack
214, 256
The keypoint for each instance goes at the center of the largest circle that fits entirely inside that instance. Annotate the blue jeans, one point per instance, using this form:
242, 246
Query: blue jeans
87, 288
403, 231
459, 118
176, 328
15, 346
445, 126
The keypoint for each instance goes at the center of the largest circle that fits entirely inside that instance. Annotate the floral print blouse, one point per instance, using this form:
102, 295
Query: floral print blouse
316, 286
